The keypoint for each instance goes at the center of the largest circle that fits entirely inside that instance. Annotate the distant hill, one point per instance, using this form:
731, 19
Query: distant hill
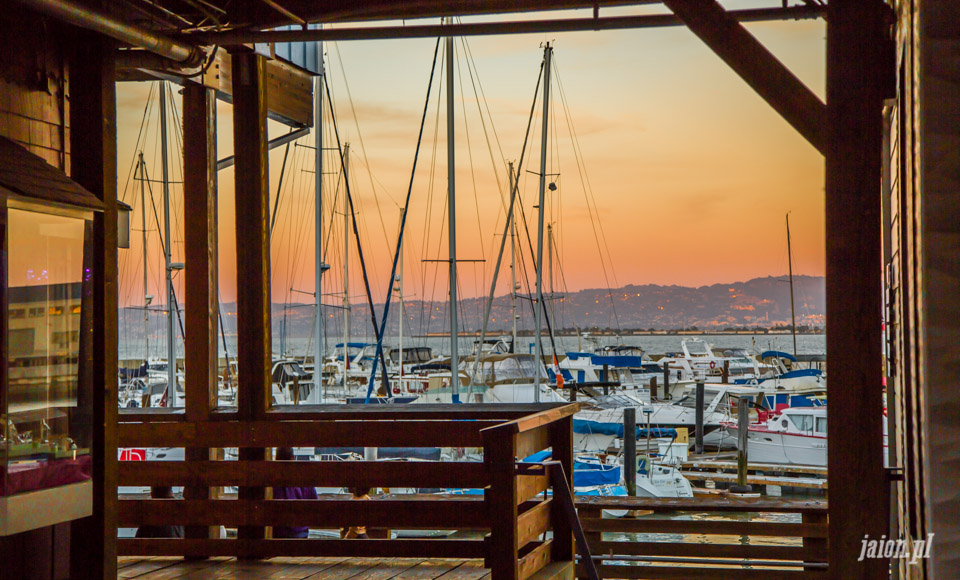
761, 302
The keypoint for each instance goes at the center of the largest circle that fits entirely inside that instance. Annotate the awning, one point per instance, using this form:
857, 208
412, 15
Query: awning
29, 176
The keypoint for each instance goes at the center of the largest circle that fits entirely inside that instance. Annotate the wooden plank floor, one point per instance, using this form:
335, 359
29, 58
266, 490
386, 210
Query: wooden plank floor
167, 568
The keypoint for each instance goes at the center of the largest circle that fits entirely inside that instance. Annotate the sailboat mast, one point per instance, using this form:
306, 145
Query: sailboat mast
400, 291
513, 270
318, 226
146, 293
538, 306
793, 314
346, 268
452, 232
171, 312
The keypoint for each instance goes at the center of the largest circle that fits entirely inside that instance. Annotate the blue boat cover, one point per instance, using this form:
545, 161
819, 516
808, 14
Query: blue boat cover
777, 354
584, 474
583, 426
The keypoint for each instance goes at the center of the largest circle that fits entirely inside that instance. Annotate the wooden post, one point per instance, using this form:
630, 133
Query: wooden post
855, 81
698, 447
200, 231
253, 253
93, 150
630, 449
653, 389
743, 425
500, 502
666, 381
726, 372
561, 440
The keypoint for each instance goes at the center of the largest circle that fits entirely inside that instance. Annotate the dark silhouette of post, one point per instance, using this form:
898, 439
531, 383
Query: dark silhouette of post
699, 418
630, 449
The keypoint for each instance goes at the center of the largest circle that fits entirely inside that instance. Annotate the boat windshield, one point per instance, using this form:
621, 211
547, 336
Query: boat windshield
697, 348
802, 422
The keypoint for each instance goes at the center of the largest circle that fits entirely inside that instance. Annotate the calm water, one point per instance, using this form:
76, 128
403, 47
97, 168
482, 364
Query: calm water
654, 344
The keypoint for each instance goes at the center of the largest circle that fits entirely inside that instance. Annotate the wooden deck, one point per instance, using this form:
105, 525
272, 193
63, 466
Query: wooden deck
166, 568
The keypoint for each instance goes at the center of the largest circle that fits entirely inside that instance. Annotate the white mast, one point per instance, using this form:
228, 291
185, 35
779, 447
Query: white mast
171, 309
513, 270
793, 315
452, 232
538, 305
346, 266
147, 298
399, 282
318, 225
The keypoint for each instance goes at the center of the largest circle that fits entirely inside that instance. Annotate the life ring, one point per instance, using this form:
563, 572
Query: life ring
396, 390
713, 364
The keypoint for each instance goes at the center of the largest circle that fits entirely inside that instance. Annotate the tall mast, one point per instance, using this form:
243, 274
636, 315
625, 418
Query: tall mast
346, 268
452, 232
318, 225
513, 270
399, 282
147, 298
171, 309
547, 52
793, 315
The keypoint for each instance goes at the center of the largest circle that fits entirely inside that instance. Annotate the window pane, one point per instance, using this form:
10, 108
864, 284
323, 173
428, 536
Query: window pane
46, 436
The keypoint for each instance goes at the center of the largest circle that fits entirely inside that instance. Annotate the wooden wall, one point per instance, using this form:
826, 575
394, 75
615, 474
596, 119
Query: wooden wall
923, 280
34, 113
33, 86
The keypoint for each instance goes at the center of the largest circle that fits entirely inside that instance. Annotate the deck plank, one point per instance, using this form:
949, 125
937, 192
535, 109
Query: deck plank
300, 568
469, 570
146, 566
430, 569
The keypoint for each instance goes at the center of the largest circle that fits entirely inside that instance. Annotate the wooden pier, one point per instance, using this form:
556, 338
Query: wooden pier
765, 474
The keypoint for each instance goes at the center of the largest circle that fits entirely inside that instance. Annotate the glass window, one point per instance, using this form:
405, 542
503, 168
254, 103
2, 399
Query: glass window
822, 425
45, 427
802, 422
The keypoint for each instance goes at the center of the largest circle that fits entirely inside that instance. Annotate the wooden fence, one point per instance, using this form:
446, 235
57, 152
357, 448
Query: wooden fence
711, 542
511, 509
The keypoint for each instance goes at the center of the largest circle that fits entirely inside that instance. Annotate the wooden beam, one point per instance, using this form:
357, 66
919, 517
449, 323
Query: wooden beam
253, 254
421, 512
93, 145
757, 66
370, 548
561, 442
426, 474
705, 527
200, 229
289, 89
859, 490
500, 501
303, 434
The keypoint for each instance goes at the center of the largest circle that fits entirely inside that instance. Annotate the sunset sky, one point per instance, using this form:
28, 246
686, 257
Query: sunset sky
688, 172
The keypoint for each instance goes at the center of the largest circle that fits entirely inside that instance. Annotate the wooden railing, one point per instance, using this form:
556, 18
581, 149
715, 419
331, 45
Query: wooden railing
510, 509
721, 538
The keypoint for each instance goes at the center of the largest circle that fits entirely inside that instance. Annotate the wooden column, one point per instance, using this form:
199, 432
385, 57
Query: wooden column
253, 252
858, 487
200, 228
93, 146
500, 502
561, 440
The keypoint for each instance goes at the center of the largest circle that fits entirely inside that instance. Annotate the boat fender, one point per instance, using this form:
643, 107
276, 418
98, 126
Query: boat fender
713, 364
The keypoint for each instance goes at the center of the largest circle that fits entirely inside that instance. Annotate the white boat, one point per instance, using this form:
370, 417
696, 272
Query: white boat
797, 436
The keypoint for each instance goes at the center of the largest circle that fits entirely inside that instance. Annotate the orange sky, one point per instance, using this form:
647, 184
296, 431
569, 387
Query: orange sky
690, 171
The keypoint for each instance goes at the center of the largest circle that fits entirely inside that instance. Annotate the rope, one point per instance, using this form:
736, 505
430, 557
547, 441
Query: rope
396, 255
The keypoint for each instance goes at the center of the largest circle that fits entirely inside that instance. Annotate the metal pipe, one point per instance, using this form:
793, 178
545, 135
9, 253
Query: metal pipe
491, 28
98, 21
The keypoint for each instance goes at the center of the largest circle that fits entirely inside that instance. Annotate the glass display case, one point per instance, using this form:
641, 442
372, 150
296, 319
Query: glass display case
46, 341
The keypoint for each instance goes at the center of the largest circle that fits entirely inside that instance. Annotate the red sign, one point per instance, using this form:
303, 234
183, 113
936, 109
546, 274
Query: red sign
133, 454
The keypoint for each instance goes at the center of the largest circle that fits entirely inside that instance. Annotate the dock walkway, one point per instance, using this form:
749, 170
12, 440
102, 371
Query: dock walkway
173, 568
